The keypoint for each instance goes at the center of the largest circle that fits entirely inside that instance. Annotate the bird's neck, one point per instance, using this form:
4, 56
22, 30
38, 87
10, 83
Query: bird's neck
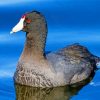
34, 49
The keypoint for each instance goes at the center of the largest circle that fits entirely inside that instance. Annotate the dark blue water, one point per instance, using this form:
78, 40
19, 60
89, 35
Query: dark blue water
69, 21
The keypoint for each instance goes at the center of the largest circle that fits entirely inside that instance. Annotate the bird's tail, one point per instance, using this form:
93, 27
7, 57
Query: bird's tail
97, 60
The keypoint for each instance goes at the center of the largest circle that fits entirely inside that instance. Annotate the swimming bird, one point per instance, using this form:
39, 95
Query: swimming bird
66, 66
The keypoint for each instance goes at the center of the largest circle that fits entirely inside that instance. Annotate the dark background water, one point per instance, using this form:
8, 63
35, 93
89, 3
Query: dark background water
69, 21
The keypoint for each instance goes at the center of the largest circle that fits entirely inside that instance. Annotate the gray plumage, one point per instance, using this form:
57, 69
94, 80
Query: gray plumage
66, 66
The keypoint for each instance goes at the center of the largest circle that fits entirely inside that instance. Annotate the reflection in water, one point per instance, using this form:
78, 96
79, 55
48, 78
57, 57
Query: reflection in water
59, 93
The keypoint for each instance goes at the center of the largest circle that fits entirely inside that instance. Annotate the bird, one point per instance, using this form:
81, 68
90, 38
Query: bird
69, 65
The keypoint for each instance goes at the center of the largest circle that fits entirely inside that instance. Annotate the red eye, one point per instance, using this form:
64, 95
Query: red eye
23, 16
28, 20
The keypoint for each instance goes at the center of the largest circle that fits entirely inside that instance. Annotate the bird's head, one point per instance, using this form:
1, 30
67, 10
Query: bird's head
29, 22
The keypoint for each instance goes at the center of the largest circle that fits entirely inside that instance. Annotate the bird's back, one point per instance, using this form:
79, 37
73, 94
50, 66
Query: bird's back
75, 62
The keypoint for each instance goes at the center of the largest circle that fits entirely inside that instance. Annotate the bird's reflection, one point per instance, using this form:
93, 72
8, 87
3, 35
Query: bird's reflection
58, 93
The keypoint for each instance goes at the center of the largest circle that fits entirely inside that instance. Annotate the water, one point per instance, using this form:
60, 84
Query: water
69, 21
